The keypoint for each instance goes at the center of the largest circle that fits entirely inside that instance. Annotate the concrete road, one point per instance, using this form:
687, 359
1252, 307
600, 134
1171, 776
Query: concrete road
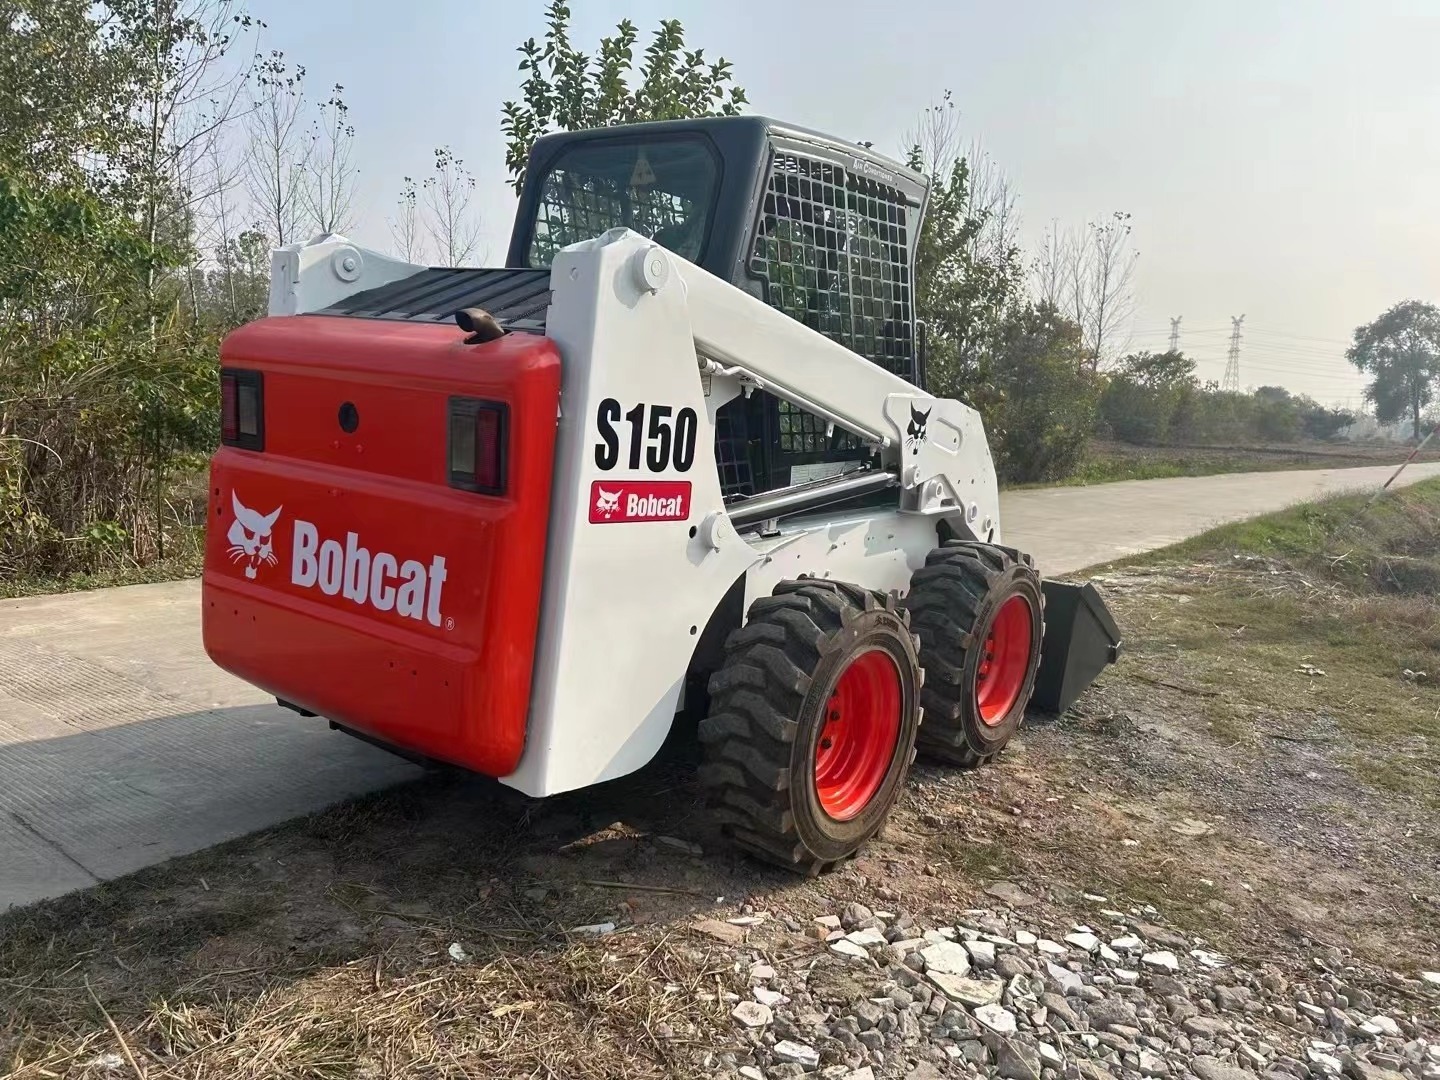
121, 745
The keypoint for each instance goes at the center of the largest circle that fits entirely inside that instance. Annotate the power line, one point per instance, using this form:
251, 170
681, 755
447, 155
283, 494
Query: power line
1231, 383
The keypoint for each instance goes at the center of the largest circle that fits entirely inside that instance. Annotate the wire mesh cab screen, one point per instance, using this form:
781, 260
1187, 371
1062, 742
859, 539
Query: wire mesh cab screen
832, 251
663, 189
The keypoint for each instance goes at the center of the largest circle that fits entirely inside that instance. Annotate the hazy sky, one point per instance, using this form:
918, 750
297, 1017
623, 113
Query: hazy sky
1280, 159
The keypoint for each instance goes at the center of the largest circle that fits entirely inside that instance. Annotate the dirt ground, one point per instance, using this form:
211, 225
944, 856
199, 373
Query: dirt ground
440, 929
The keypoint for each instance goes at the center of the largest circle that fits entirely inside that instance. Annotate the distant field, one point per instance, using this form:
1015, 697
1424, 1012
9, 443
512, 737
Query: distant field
1105, 462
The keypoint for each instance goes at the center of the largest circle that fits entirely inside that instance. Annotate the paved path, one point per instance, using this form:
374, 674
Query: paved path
121, 745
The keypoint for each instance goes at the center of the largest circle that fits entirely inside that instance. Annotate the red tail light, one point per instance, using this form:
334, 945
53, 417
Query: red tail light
479, 431
242, 409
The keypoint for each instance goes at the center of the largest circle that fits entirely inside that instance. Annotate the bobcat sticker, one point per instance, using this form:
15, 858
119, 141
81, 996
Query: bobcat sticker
250, 536
915, 432
606, 502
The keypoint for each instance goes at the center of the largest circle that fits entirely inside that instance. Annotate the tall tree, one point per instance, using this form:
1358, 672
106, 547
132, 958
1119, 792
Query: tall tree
276, 151
328, 193
405, 229
453, 224
566, 89
1400, 351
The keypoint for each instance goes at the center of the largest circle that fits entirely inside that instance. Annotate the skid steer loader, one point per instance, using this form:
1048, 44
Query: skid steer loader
674, 458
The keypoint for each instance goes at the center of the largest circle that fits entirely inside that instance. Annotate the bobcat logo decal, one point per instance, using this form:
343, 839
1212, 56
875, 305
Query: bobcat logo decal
607, 502
250, 536
915, 432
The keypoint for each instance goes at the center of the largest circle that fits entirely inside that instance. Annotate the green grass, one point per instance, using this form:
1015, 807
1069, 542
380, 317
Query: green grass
184, 563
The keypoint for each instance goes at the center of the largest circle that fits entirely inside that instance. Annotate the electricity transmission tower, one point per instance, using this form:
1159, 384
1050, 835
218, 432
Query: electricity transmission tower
1231, 384
1175, 333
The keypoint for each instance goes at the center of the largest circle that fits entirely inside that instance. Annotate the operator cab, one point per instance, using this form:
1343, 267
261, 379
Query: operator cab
823, 230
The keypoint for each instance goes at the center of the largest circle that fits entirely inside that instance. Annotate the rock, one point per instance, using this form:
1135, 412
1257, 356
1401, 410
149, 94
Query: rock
1169, 986
762, 972
855, 916
1209, 959
787, 1071
721, 931
1025, 938
1110, 1012
827, 922
1327, 1063
752, 1014
1386, 1025
862, 1073
946, 958
1109, 955
1232, 998
1312, 1011
1431, 977
749, 1072
1127, 943
866, 939
1009, 893
1018, 1058
845, 947
997, 1019
796, 1053
767, 997
1205, 1027
1051, 1056
1084, 941
901, 998
1209, 1068
872, 1040
1051, 948
1364, 1070
1060, 1009
972, 993
1063, 978
1161, 936
1163, 961
1152, 1064
1010, 965
1126, 977
982, 953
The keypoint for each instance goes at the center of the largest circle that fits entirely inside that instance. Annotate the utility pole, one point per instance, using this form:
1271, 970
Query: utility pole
1231, 385
1175, 333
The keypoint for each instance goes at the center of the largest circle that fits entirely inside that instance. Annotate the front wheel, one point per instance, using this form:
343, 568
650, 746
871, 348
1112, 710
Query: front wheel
812, 723
979, 612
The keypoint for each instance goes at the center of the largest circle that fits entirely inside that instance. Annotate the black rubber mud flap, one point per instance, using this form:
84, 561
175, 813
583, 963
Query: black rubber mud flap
1081, 640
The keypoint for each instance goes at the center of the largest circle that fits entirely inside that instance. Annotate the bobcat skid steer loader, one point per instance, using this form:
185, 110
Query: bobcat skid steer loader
673, 459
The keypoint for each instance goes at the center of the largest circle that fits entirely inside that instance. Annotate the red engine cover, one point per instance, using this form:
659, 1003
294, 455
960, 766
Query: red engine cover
344, 574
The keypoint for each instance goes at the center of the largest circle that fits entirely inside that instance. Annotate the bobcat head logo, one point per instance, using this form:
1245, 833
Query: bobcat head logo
249, 536
915, 432
607, 502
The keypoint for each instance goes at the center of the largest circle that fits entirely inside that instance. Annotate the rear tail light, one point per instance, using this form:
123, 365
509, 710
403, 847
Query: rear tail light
242, 409
479, 432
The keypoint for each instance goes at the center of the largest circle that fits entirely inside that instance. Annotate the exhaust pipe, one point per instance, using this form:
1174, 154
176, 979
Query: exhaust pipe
1081, 640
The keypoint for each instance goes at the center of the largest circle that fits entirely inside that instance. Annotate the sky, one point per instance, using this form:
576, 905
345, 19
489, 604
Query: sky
1280, 158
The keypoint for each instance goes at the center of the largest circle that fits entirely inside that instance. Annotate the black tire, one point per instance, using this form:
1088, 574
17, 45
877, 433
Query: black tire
953, 601
769, 703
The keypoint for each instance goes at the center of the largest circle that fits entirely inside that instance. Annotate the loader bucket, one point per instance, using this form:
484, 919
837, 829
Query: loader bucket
1081, 640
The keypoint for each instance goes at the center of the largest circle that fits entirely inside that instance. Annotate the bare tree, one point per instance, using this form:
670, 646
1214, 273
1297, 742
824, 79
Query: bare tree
1050, 268
276, 158
453, 224
329, 190
405, 225
1110, 272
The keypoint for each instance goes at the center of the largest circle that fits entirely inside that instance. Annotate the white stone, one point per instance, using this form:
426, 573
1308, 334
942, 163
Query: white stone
981, 952
1164, 960
1109, 955
1328, 1062
457, 954
1025, 937
935, 937
797, 1053
1068, 980
752, 1014
1083, 940
1152, 1064
829, 922
769, 998
746, 920
998, 1019
849, 948
1127, 943
997, 940
1051, 948
1431, 977
1091, 1041
974, 993
750, 1072
908, 945
1125, 977
1209, 959
1373, 1030
947, 932
763, 972
1111, 913
866, 939
1052, 1057
1096, 898
946, 957
866, 1073
1312, 1011
1388, 1026
885, 916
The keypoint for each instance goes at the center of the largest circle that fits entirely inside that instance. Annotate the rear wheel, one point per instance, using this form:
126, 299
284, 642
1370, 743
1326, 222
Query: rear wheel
812, 723
979, 612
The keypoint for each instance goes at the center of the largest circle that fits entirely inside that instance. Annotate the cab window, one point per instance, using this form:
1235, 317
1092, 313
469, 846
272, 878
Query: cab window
664, 190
